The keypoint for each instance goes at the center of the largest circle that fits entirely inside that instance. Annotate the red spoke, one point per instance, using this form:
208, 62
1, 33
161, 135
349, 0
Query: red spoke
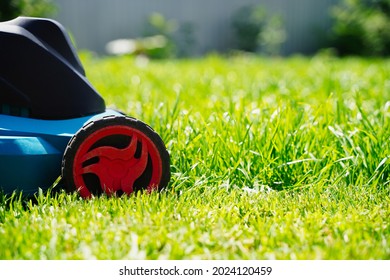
84, 192
100, 169
136, 169
106, 183
93, 168
127, 185
110, 185
113, 153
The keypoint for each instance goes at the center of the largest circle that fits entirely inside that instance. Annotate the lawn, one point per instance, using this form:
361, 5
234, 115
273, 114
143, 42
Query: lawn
271, 158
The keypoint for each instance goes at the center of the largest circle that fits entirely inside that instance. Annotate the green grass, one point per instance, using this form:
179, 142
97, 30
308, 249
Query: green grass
270, 159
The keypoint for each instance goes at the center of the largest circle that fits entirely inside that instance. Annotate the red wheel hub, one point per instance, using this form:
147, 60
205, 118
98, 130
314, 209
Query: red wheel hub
117, 168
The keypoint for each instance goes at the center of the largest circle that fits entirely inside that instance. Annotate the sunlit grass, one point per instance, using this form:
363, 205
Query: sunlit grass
270, 158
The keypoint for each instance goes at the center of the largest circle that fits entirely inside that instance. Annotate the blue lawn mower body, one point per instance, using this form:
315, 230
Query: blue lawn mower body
53, 123
31, 150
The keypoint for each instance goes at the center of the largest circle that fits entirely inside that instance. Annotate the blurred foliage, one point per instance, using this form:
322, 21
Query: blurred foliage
185, 39
362, 27
158, 25
257, 31
178, 37
248, 22
10, 9
162, 38
273, 36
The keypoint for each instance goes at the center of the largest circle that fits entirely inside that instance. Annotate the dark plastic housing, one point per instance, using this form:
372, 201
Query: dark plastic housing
40, 73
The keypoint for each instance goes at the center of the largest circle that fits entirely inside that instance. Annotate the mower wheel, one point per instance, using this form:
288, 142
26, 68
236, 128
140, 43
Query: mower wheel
115, 155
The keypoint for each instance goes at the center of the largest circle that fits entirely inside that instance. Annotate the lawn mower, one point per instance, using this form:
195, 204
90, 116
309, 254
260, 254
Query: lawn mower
55, 127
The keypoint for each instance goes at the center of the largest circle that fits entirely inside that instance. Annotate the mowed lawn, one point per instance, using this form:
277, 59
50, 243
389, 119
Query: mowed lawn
271, 158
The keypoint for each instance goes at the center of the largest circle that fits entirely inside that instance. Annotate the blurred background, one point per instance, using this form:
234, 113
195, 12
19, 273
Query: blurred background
183, 28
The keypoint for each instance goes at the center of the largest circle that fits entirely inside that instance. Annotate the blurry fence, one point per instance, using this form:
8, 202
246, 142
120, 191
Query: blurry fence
95, 22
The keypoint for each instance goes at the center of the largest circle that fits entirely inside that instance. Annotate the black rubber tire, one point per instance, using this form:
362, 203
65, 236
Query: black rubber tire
93, 184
